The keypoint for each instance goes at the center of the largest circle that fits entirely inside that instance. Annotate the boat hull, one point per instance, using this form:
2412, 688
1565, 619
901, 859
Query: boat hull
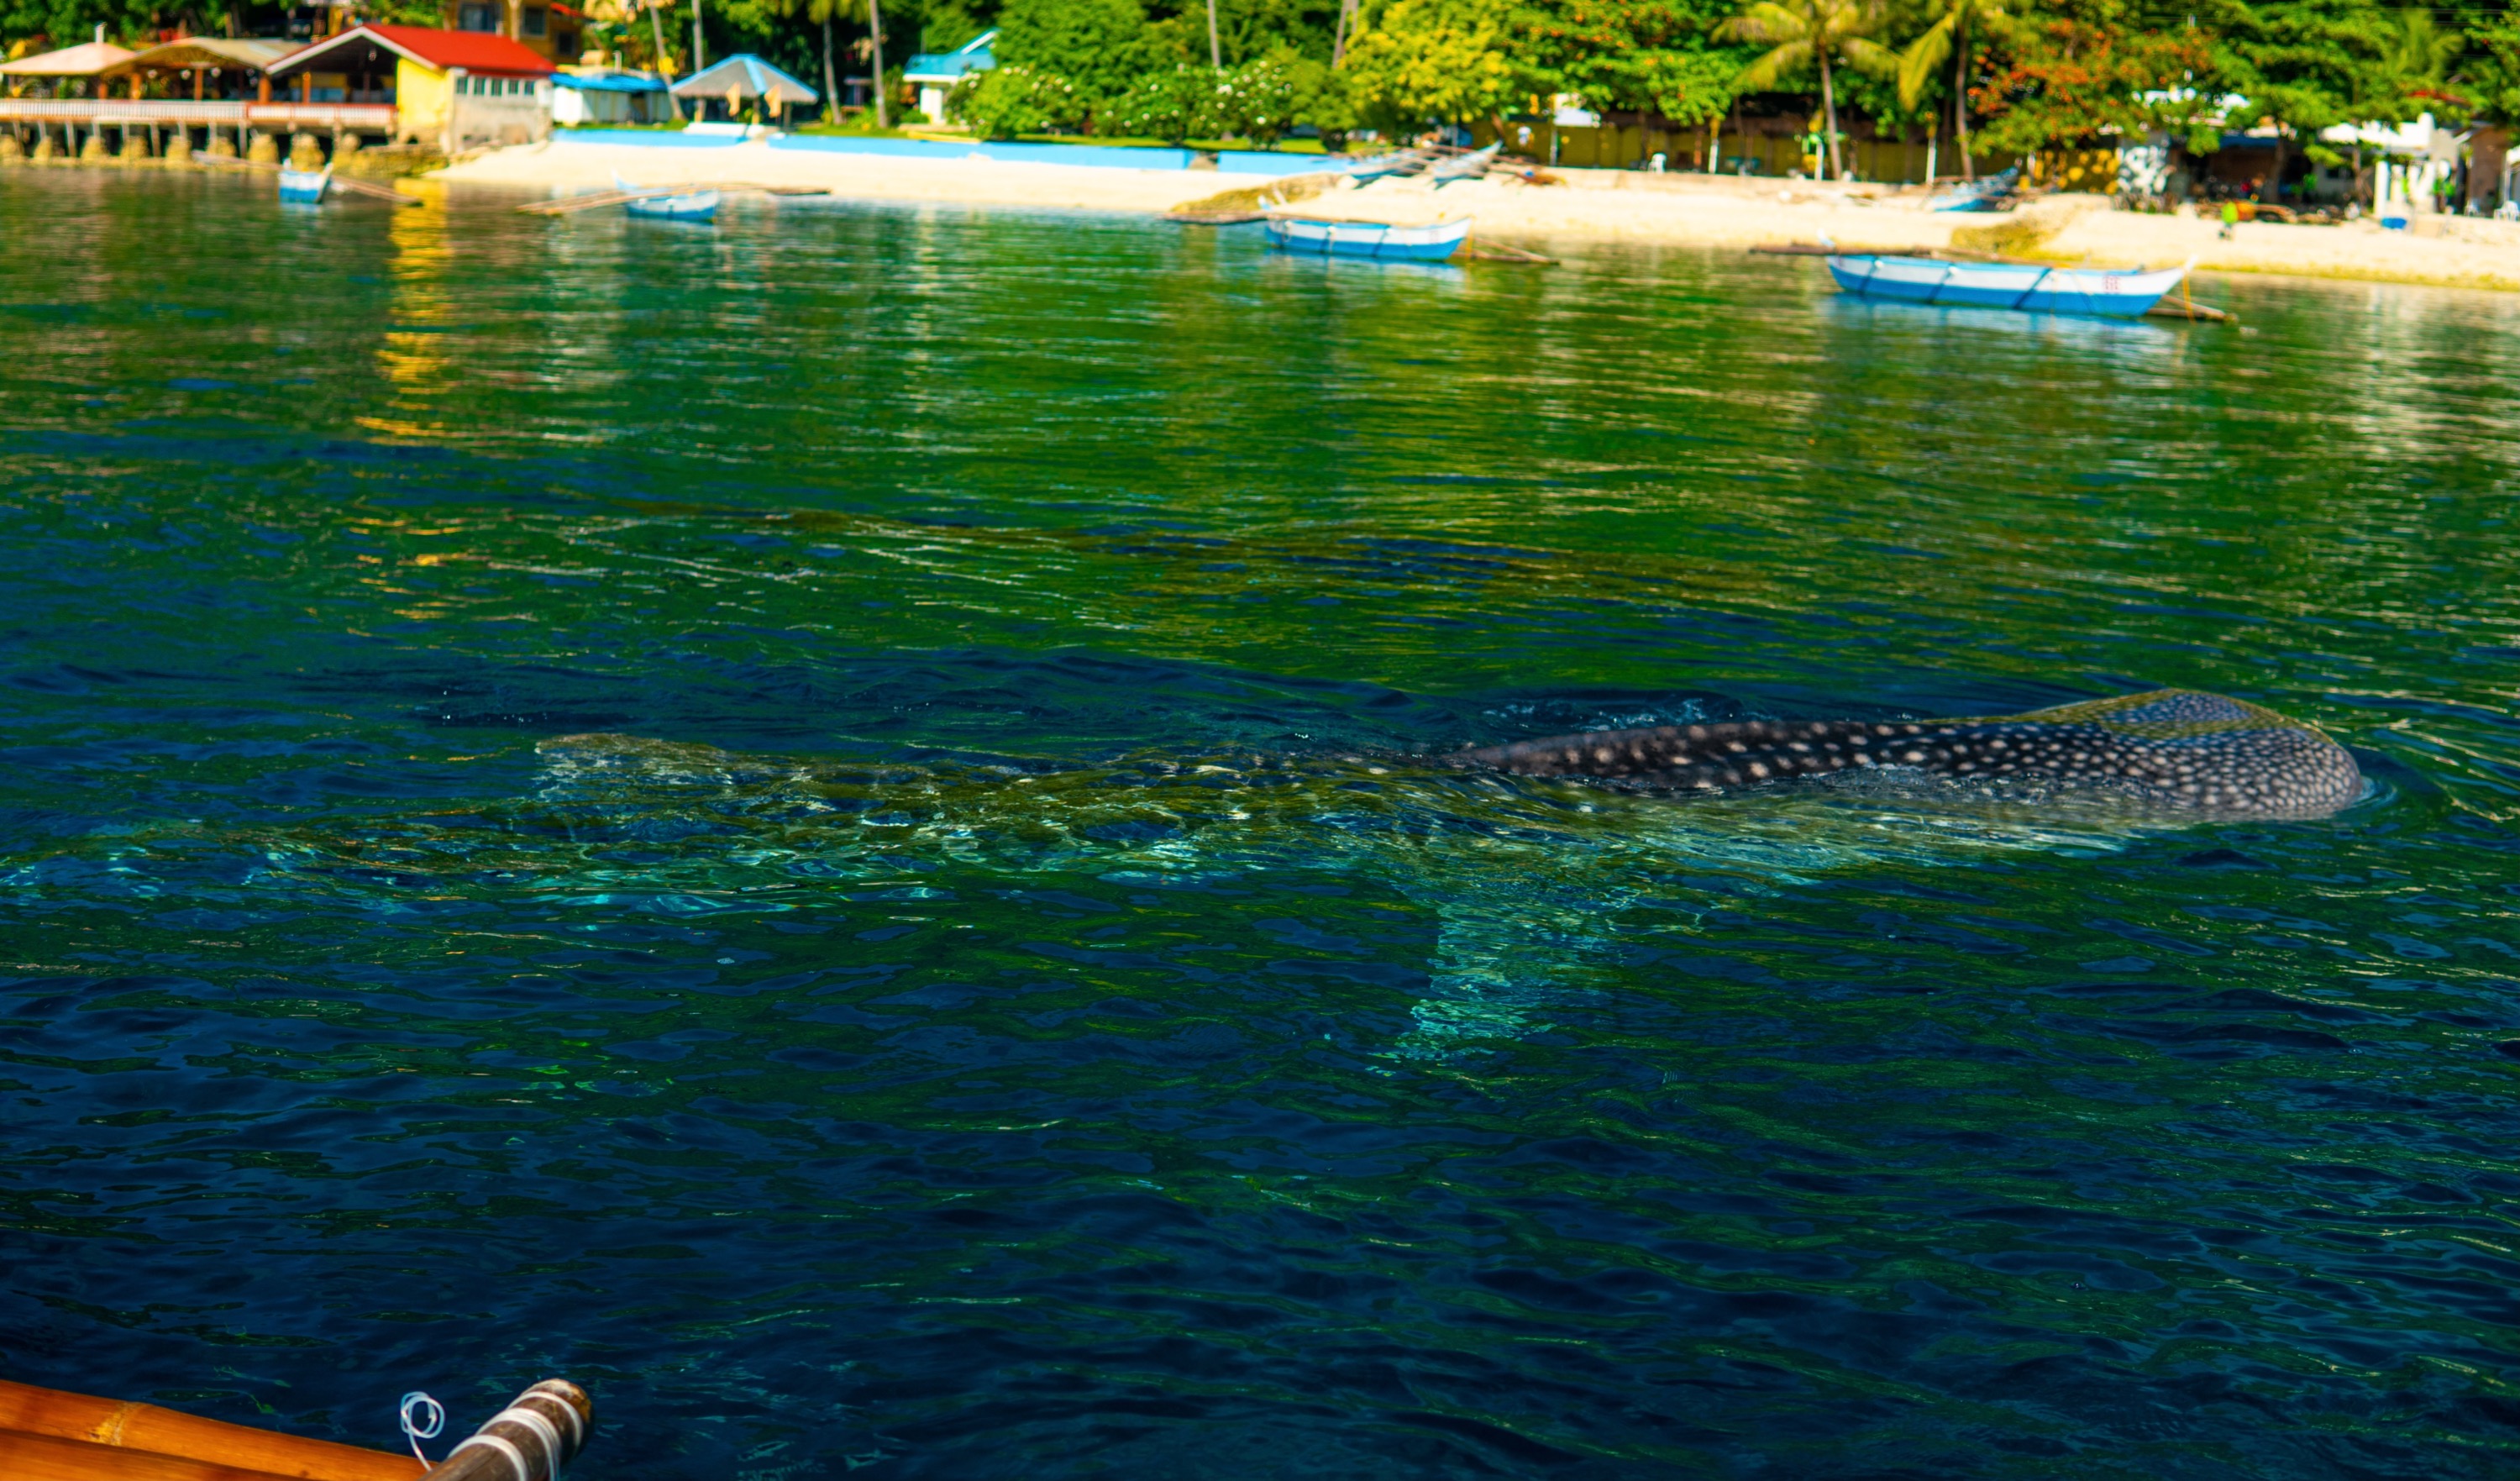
2006, 285
698, 205
304, 187
1368, 239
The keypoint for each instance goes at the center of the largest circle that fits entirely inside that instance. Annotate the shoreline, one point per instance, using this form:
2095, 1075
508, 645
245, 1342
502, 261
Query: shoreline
1590, 206
1622, 207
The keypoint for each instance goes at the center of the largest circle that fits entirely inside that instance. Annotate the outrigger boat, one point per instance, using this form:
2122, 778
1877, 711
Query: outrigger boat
1324, 237
1977, 195
691, 206
678, 205
49, 1435
2007, 284
1469, 166
304, 187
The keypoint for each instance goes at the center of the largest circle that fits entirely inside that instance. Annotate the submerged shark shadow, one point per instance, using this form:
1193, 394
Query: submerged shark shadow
2169, 750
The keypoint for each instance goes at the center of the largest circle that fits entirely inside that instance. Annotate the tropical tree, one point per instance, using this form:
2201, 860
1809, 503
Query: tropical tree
1101, 46
822, 13
2308, 63
1443, 61
2418, 60
2081, 68
1653, 55
1004, 101
1800, 33
874, 59
1948, 37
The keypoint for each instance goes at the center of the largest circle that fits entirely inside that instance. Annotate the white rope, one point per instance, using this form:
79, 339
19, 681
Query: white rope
576, 1420
543, 1430
411, 1430
515, 1457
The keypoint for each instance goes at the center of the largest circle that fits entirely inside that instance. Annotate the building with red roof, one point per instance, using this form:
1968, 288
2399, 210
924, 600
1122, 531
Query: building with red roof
454, 89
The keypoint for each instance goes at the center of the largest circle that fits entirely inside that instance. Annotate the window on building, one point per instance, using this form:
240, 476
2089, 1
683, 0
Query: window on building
537, 20
477, 16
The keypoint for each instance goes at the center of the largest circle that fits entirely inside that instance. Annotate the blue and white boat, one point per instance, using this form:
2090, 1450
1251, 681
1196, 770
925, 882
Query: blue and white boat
304, 187
658, 204
687, 205
2007, 284
1323, 238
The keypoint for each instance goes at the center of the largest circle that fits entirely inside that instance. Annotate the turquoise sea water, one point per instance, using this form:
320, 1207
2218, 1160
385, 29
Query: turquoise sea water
830, 827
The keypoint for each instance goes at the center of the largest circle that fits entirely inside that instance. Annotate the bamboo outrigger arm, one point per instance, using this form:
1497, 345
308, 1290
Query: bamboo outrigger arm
529, 1440
48, 1435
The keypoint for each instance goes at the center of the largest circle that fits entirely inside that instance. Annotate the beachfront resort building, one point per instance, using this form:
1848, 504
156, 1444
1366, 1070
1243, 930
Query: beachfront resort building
935, 73
451, 90
601, 95
98, 101
553, 33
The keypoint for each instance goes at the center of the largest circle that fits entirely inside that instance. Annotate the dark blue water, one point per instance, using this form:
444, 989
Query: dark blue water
829, 827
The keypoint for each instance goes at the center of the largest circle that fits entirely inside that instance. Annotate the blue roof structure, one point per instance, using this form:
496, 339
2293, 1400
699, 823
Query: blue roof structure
971, 55
625, 82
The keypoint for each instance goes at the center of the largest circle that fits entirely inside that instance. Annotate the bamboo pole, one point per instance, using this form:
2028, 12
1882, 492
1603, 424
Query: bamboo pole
42, 1458
35, 1422
529, 1440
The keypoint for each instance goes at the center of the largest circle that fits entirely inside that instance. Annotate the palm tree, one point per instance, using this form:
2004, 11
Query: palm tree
1927, 52
823, 13
874, 52
657, 24
1799, 32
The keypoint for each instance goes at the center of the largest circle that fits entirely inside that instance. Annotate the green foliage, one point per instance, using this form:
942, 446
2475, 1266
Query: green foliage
67, 22
1100, 47
945, 26
2067, 76
1246, 30
1009, 99
1636, 54
1258, 100
1323, 97
1172, 104
1438, 61
2308, 63
1801, 33
2490, 80
1953, 22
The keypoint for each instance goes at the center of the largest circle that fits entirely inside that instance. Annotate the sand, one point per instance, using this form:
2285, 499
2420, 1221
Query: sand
1590, 206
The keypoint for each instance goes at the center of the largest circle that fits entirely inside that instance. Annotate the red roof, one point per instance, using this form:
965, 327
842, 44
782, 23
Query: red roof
473, 51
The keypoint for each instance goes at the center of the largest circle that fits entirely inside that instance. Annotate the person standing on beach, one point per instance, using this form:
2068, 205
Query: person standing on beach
2230, 218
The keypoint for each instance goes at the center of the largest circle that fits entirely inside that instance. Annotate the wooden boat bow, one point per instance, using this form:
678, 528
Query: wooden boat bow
50, 1435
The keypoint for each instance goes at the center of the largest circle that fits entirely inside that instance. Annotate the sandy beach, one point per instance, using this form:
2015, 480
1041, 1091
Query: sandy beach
1589, 206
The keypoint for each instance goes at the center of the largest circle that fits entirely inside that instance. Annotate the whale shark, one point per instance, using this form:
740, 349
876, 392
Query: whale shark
2173, 749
